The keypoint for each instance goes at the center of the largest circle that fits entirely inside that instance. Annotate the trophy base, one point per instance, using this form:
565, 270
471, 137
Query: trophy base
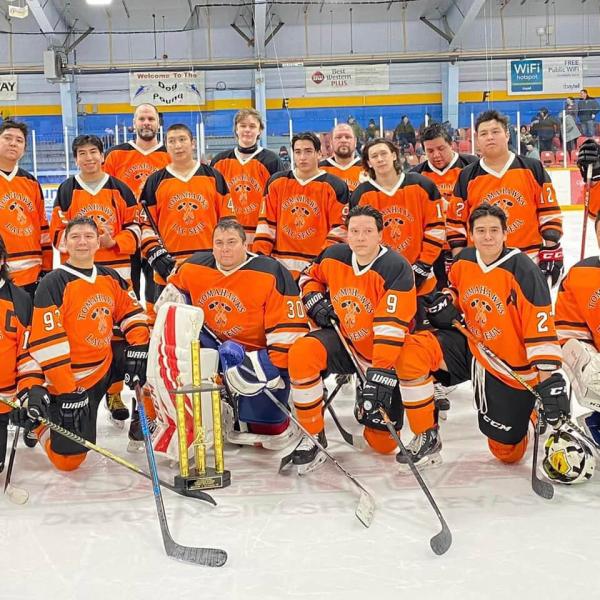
209, 480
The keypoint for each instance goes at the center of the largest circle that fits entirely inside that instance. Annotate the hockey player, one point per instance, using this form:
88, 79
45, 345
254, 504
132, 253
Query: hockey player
505, 303
302, 209
589, 154
411, 205
186, 200
369, 290
75, 308
253, 302
345, 162
23, 223
247, 168
520, 187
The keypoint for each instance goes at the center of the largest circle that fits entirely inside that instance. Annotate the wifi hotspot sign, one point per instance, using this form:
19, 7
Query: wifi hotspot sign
545, 76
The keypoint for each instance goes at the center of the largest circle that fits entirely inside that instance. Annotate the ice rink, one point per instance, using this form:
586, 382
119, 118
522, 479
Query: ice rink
94, 534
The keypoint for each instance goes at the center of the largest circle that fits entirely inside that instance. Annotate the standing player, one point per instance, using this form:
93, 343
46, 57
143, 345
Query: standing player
75, 308
186, 200
369, 290
253, 301
505, 303
302, 210
23, 223
520, 187
413, 219
247, 168
345, 162
111, 204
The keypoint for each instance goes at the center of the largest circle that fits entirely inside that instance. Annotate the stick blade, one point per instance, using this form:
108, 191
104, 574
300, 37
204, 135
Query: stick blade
199, 495
544, 489
441, 542
365, 511
16, 494
206, 557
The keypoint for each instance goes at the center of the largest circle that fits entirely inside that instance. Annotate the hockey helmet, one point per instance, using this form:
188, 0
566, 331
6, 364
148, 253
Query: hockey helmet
569, 457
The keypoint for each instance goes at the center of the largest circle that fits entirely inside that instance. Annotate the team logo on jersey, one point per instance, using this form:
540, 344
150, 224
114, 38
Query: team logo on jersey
480, 303
394, 219
137, 175
350, 304
189, 207
594, 299
507, 199
242, 188
97, 311
17, 209
103, 216
221, 304
304, 211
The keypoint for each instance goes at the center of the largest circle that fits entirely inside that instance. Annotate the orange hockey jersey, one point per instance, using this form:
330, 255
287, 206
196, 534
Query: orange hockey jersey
413, 218
578, 303
72, 327
112, 206
246, 176
350, 174
522, 189
185, 209
257, 304
507, 306
446, 179
594, 206
132, 165
299, 218
24, 227
375, 303
19, 371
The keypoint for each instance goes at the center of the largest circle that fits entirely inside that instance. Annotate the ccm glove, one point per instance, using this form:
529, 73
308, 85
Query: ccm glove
74, 410
136, 361
320, 309
555, 400
421, 271
440, 310
161, 261
378, 390
550, 262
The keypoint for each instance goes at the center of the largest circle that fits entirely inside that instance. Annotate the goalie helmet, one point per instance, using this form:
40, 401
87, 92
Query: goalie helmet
569, 457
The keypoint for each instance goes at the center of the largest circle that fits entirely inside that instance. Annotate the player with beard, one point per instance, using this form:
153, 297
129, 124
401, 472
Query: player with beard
344, 163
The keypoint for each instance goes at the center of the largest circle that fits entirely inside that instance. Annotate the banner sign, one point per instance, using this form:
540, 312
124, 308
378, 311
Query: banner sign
8, 88
347, 78
166, 88
562, 76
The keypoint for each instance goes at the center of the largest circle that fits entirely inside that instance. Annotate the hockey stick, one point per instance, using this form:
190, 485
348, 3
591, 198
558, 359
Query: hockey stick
442, 540
199, 495
15, 494
586, 207
208, 557
542, 488
349, 438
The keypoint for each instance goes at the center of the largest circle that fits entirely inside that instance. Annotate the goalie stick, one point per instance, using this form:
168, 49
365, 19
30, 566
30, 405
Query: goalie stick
208, 557
198, 494
542, 488
442, 540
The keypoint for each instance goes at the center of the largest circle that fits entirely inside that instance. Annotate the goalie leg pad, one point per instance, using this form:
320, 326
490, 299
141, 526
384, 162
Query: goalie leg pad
581, 363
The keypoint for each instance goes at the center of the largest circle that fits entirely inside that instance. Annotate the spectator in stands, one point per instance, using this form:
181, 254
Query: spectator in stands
526, 138
531, 151
358, 131
587, 108
544, 127
405, 167
284, 157
404, 134
570, 106
448, 127
571, 130
372, 130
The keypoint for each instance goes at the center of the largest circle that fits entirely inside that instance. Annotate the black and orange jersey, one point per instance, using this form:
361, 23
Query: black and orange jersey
74, 312
507, 306
350, 174
375, 303
246, 176
445, 180
19, 370
522, 189
113, 207
24, 227
299, 218
132, 165
185, 209
578, 303
257, 304
413, 218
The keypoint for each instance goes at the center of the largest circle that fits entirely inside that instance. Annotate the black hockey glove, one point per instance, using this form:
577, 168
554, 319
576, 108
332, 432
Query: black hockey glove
136, 361
74, 410
440, 310
320, 309
421, 271
377, 391
161, 261
555, 400
38, 404
589, 154
550, 262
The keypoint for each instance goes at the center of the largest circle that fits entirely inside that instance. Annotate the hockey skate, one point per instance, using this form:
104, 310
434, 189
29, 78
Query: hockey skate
119, 413
424, 449
136, 437
440, 399
307, 457
30, 438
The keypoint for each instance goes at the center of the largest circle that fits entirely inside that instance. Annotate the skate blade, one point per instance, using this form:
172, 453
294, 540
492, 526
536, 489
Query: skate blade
434, 460
312, 466
116, 423
443, 415
135, 447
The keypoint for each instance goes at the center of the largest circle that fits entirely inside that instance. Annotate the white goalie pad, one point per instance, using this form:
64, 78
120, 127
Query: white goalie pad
581, 363
170, 294
170, 367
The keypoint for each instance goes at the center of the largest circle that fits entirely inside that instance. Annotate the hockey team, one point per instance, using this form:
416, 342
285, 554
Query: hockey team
422, 280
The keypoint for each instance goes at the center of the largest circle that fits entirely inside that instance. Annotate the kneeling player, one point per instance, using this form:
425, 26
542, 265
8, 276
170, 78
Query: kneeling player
505, 303
75, 308
370, 291
252, 302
